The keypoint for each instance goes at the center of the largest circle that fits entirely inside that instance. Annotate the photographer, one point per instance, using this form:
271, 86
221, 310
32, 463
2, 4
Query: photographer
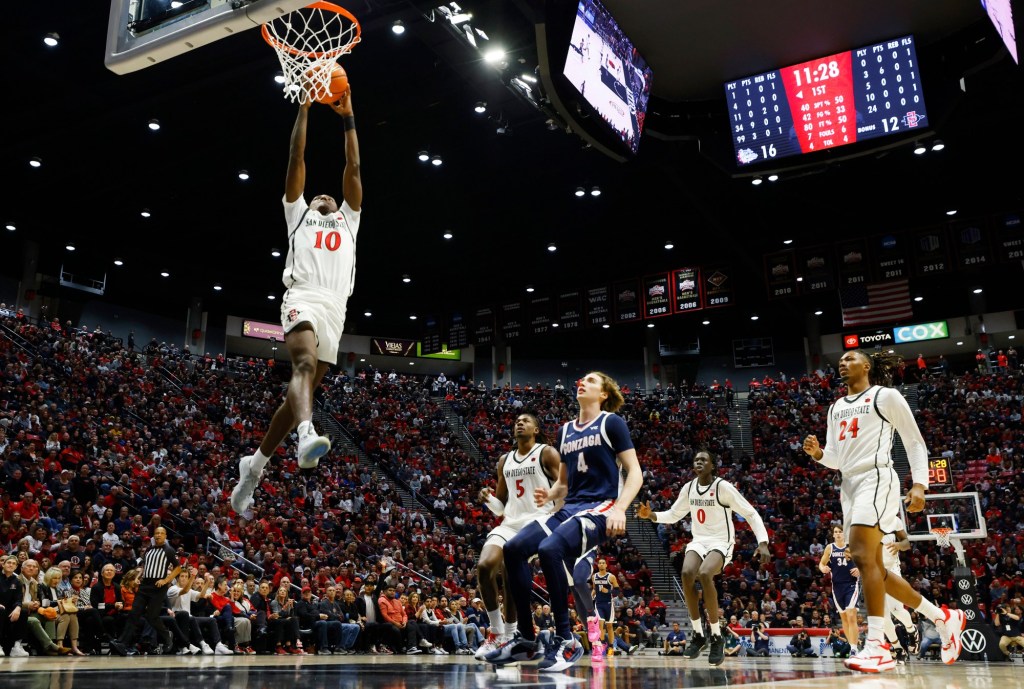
839, 645
801, 647
1006, 620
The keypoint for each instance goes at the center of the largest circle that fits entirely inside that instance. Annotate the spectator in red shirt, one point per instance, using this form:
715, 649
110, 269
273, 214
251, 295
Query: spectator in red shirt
393, 612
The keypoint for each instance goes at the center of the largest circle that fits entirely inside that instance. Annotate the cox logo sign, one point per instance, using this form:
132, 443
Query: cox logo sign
923, 331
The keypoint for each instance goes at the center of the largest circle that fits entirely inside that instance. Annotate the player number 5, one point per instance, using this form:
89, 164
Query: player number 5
520, 491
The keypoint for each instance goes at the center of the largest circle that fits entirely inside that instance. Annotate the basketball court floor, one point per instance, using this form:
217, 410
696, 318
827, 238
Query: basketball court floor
434, 672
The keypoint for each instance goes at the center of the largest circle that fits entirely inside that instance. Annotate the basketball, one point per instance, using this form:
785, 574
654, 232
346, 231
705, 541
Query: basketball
338, 86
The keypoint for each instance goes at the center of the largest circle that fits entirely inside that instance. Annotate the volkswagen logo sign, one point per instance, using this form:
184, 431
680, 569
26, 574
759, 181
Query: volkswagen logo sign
963, 584
969, 613
966, 599
973, 641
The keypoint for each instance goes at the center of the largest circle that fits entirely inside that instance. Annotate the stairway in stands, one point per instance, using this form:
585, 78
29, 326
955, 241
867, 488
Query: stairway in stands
643, 534
739, 426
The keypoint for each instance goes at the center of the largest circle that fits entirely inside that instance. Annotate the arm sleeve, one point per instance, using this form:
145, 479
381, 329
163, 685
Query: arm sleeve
829, 457
894, 407
739, 504
617, 433
680, 508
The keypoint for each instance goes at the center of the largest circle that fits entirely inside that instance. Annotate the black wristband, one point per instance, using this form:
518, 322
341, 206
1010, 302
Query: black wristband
350, 122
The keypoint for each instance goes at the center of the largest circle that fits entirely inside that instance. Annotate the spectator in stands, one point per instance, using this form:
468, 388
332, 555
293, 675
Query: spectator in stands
1007, 622
838, 643
929, 636
393, 614
675, 642
282, 609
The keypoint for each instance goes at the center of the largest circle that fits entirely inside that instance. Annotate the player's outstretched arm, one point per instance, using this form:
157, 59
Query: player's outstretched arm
295, 180
351, 181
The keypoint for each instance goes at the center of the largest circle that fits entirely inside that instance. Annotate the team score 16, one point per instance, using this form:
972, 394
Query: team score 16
848, 428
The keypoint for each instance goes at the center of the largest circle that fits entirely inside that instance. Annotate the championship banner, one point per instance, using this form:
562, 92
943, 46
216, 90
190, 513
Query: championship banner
718, 287
816, 265
626, 297
931, 252
392, 347
970, 238
458, 337
686, 282
780, 274
853, 262
570, 310
483, 326
540, 315
889, 257
1009, 240
262, 331
657, 296
512, 319
598, 306
431, 343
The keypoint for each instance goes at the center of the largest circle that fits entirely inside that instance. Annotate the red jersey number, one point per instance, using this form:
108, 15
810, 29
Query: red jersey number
850, 428
331, 242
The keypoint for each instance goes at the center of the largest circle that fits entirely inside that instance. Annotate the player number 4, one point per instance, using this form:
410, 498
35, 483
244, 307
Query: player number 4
851, 427
581, 464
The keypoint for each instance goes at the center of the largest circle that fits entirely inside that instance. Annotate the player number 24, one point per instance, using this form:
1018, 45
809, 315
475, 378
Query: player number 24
850, 427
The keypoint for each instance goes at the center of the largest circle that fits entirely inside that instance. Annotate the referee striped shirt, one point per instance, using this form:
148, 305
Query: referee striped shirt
157, 562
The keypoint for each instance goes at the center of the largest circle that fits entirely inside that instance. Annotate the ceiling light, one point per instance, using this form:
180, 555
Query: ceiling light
217, 287
51, 39
892, 351
959, 343
448, 234
367, 313
398, 28
406, 279
552, 248
176, 4
279, 77
69, 246
362, 360
494, 56
412, 316
275, 253
799, 278
920, 149
165, 274
669, 245
754, 317
977, 290
423, 156
787, 242
580, 191
11, 227
154, 125
938, 145
118, 262
145, 213
412, 363
595, 191
818, 312
919, 298
606, 326
705, 322
270, 297
773, 178
1013, 337
480, 107
436, 161
36, 162
951, 211
650, 325
529, 288
756, 181
555, 325
243, 175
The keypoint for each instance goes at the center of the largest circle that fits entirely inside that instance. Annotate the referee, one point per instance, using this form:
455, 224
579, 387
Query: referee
160, 567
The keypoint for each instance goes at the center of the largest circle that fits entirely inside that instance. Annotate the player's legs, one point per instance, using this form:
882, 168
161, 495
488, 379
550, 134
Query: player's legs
488, 568
558, 554
691, 569
710, 568
517, 569
307, 374
850, 627
866, 550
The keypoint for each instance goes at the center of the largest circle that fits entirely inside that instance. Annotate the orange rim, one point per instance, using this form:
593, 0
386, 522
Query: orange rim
322, 5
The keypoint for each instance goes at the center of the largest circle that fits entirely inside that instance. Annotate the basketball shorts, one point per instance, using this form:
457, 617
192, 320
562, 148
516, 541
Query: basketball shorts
503, 533
704, 548
871, 499
845, 596
604, 610
592, 519
323, 310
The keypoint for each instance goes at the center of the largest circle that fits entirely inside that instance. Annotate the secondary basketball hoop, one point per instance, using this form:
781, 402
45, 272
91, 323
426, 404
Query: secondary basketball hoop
942, 535
308, 43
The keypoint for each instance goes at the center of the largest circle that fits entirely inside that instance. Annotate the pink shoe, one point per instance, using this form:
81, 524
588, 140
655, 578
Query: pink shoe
597, 651
593, 629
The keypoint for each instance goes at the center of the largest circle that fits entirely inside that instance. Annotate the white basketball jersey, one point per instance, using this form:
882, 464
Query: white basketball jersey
524, 474
710, 520
859, 434
321, 248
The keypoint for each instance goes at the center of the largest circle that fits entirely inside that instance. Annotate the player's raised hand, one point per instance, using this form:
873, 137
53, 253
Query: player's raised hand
915, 498
643, 510
811, 446
540, 496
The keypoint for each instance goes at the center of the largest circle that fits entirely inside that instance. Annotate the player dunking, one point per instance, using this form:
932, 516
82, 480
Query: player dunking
595, 449
710, 501
319, 275
530, 466
861, 429
836, 561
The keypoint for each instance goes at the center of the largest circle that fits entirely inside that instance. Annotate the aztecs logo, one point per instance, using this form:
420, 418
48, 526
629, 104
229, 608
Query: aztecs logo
293, 315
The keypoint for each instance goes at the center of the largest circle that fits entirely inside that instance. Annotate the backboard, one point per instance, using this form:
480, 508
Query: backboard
958, 511
141, 33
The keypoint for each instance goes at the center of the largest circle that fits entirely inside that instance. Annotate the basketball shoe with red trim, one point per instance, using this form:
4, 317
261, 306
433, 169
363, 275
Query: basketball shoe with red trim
876, 656
951, 627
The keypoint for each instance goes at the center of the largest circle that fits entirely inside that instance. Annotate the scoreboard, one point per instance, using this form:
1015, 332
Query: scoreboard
940, 473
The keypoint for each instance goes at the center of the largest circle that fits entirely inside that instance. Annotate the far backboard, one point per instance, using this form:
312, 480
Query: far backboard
960, 511
141, 33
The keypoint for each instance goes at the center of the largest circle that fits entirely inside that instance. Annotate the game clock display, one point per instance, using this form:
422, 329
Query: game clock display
939, 472
831, 101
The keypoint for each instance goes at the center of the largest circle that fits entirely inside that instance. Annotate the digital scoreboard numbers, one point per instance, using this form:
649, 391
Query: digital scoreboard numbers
827, 102
939, 472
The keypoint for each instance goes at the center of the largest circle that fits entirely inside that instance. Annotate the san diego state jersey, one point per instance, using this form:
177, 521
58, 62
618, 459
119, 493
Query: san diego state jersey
523, 475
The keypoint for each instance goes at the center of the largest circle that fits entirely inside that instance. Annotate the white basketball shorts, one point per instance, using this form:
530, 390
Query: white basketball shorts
871, 499
323, 310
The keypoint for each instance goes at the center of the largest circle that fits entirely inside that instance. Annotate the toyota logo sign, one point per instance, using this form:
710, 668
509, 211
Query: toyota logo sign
973, 641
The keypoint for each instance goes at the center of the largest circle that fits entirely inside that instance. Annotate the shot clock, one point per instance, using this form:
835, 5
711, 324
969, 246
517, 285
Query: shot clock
840, 99
939, 472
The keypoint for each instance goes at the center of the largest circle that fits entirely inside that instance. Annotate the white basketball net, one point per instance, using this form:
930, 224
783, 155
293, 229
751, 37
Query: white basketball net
308, 43
942, 537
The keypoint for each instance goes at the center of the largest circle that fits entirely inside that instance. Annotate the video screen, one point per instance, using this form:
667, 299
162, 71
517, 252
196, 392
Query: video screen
1001, 14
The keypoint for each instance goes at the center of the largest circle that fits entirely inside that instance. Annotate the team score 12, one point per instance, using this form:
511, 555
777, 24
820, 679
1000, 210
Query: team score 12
331, 242
848, 427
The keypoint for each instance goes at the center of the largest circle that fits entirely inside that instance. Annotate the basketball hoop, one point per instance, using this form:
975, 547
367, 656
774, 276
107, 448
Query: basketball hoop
942, 535
308, 43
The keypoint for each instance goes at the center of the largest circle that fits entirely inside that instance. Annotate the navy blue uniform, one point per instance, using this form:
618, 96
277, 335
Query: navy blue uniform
590, 454
845, 586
